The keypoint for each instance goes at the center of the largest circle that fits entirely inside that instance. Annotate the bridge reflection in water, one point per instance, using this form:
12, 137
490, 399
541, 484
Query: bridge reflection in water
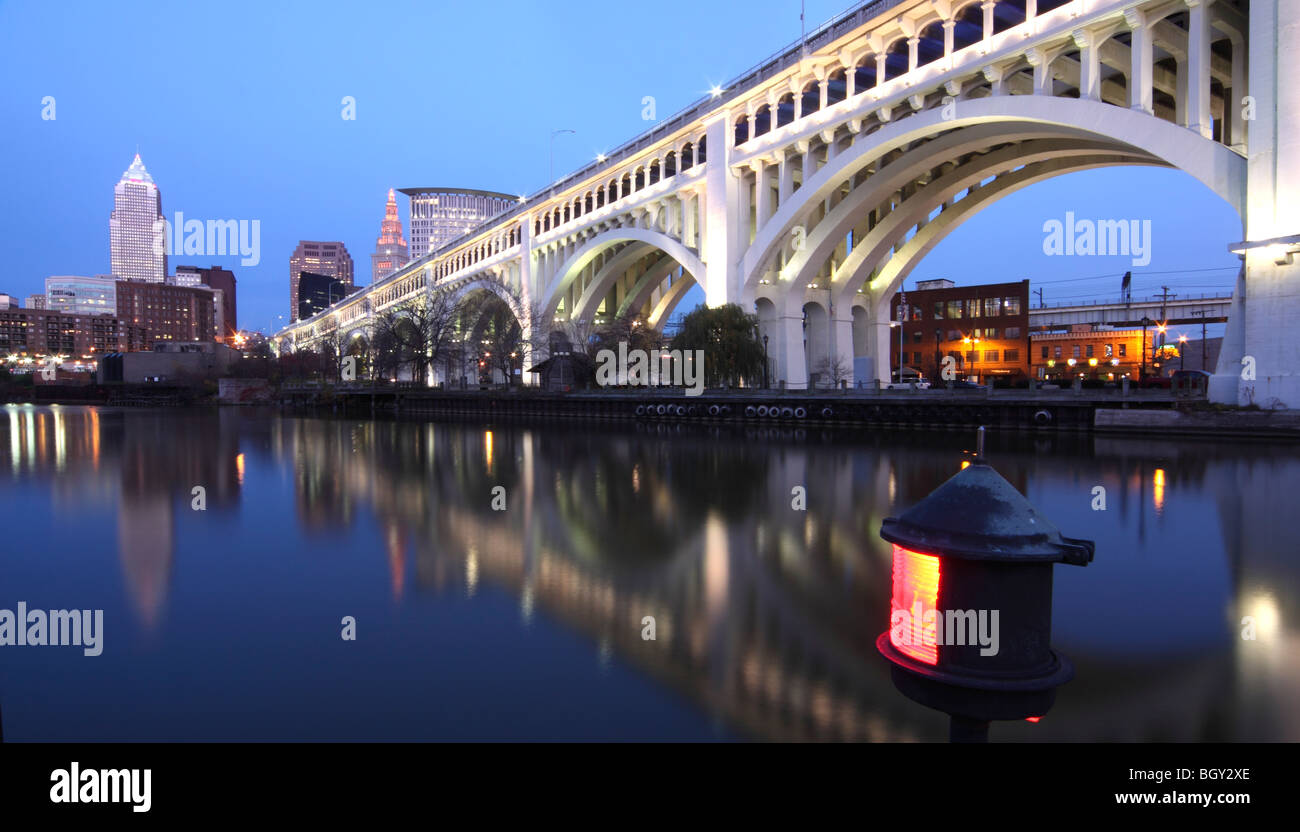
765, 615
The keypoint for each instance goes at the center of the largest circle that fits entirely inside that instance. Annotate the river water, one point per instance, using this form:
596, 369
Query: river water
498, 578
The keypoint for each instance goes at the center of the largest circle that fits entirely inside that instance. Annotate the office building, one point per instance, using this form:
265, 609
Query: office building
32, 333
222, 283
168, 313
137, 232
390, 249
440, 215
327, 258
36, 302
318, 291
82, 295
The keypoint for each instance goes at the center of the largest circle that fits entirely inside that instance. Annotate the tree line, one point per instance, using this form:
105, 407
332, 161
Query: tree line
481, 334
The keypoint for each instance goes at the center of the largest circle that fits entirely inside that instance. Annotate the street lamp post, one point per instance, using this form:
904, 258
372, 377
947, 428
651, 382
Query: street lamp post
902, 316
1182, 351
974, 344
555, 133
1157, 354
766, 383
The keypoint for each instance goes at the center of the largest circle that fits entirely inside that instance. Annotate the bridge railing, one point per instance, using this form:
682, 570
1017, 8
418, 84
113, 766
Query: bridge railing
1146, 301
769, 66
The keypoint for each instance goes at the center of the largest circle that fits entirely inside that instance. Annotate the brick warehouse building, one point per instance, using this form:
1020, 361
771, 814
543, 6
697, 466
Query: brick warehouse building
1094, 353
984, 328
169, 313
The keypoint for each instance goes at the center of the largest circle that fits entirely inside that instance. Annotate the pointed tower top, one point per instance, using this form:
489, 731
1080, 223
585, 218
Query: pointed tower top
390, 230
137, 172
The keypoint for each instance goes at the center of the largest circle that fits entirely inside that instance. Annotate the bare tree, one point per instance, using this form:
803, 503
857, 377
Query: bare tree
581, 334
386, 343
834, 370
332, 347
416, 334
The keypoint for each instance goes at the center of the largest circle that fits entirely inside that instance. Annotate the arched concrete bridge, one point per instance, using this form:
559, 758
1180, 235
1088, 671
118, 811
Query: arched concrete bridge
808, 189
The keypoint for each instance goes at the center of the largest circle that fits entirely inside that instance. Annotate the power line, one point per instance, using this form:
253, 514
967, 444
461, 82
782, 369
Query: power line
1135, 275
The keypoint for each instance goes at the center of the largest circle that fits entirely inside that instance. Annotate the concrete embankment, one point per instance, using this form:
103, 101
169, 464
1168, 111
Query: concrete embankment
1251, 424
1146, 413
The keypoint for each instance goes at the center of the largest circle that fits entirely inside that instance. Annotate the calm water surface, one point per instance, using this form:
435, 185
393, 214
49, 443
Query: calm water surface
526, 623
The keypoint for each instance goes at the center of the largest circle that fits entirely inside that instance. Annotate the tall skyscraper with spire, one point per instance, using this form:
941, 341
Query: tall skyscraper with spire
137, 232
390, 249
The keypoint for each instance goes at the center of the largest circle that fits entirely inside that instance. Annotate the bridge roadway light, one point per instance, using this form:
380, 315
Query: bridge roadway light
1281, 249
975, 545
715, 91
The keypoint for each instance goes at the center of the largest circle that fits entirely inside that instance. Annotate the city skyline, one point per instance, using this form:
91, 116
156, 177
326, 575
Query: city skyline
236, 174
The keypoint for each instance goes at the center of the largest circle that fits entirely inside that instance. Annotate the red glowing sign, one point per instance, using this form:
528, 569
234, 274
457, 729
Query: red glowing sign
916, 592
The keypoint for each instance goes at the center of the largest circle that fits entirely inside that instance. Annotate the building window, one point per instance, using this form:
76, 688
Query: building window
1123, 350
1044, 352
1011, 306
1075, 351
970, 356
1011, 356
916, 337
991, 332
1109, 350
916, 358
1013, 332
954, 309
1056, 351
990, 355
972, 308
1090, 349
938, 310
991, 307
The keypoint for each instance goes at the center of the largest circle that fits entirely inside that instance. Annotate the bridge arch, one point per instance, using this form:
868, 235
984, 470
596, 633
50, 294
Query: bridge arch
570, 270
1002, 119
878, 280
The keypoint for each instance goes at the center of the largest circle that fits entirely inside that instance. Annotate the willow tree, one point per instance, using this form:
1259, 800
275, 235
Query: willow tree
728, 336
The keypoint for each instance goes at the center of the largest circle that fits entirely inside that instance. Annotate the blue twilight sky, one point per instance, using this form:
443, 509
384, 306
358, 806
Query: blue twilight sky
236, 110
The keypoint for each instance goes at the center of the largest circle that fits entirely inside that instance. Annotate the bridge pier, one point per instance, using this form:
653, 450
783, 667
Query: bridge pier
789, 364
1260, 359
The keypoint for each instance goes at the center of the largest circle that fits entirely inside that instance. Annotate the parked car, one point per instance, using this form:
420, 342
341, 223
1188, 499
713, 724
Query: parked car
907, 385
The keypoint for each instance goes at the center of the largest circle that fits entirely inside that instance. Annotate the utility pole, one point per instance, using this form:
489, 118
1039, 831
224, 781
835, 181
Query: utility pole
1143, 372
1164, 316
1204, 357
1040, 298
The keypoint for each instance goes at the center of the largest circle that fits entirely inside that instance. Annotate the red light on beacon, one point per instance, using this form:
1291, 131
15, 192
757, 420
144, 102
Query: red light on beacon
977, 548
1032, 718
916, 591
